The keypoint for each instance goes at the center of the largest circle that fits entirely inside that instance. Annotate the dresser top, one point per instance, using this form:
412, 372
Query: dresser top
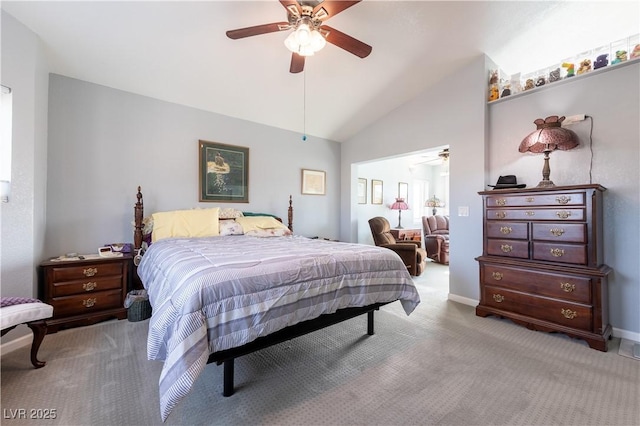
536, 189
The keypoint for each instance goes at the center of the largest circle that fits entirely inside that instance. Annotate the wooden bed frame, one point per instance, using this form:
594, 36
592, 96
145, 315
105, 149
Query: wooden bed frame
228, 356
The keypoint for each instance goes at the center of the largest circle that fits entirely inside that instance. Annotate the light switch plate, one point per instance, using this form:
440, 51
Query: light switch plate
463, 211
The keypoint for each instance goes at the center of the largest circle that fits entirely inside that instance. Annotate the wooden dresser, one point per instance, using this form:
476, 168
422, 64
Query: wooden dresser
541, 264
84, 292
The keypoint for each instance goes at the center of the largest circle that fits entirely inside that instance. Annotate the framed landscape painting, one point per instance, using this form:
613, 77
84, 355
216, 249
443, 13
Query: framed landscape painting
313, 182
362, 191
376, 191
223, 173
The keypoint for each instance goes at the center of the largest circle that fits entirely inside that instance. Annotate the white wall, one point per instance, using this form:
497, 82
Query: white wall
22, 220
612, 97
452, 113
103, 143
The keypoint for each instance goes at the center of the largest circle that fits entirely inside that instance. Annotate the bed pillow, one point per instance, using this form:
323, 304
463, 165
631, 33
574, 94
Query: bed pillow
262, 226
230, 227
229, 213
185, 223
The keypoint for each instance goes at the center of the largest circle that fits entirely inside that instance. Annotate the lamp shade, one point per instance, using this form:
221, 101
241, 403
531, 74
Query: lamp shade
549, 136
399, 205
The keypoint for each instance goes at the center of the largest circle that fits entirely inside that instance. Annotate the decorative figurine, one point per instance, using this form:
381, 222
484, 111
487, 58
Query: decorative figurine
601, 61
621, 56
493, 92
554, 75
529, 84
585, 66
540, 81
493, 77
636, 52
571, 69
506, 90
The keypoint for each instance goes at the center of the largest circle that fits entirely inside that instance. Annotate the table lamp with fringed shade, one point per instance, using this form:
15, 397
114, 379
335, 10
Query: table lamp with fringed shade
548, 136
399, 205
434, 202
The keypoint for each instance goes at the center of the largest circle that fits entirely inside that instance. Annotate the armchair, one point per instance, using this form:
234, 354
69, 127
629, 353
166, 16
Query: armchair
436, 237
413, 256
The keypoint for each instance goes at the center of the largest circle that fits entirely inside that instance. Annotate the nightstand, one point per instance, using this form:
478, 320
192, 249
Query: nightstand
84, 292
407, 234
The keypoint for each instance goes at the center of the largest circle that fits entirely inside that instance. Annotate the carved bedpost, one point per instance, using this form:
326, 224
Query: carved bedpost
138, 214
290, 215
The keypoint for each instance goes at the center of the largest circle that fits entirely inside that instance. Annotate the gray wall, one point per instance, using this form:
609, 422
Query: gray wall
103, 143
22, 220
452, 113
612, 97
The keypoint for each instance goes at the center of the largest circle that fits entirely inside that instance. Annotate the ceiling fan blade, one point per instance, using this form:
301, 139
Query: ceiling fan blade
292, 7
257, 30
297, 63
331, 8
347, 42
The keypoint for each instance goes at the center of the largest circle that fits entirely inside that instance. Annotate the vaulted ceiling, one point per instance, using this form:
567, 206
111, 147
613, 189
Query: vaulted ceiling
178, 52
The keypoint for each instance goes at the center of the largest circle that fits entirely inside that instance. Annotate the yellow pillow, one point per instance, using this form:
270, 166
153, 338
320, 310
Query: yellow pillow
185, 223
254, 223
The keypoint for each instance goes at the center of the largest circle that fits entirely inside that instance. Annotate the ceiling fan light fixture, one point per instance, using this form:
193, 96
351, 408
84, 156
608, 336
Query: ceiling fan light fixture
304, 40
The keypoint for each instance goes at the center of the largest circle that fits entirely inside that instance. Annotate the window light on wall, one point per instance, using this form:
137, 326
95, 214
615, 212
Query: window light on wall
5, 143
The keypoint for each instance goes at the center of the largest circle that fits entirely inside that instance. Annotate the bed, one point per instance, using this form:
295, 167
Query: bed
216, 298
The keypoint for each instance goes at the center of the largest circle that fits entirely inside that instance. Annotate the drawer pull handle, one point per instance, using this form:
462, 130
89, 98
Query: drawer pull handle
89, 272
90, 285
556, 252
556, 231
567, 287
501, 202
506, 229
506, 248
563, 199
568, 313
498, 298
89, 303
529, 199
501, 215
530, 213
563, 214
497, 276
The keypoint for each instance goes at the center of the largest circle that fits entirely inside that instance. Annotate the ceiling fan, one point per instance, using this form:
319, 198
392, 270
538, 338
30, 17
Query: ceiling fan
310, 34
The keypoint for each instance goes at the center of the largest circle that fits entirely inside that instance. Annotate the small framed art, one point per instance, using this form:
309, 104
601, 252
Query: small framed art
223, 173
376, 191
362, 191
313, 182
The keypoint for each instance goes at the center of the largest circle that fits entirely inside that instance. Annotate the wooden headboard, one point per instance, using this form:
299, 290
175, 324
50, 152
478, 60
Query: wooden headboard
138, 214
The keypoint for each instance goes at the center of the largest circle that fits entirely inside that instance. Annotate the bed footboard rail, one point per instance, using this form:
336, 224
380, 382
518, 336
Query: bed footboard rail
228, 356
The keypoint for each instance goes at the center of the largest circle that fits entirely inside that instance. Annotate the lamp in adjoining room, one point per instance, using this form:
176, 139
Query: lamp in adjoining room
5, 190
399, 205
548, 136
434, 202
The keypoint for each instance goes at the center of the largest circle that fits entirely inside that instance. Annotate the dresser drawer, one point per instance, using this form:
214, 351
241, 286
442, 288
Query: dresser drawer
84, 303
88, 285
515, 230
508, 248
565, 253
87, 270
567, 287
560, 199
536, 214
559, 312
563, 232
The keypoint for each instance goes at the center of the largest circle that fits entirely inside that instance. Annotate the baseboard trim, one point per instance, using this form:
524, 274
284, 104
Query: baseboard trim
11, 346
463, 300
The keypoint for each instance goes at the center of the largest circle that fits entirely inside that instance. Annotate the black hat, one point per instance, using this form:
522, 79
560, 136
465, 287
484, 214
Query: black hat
508, 181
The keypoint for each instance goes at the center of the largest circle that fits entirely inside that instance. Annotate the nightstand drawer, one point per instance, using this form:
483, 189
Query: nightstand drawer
508, 248
85, 303
551, 284
565, 253
564, 232
87, 270
559, 312
88, 285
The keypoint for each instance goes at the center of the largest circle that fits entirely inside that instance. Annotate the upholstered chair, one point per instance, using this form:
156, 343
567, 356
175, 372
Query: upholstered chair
436, 237
413, 256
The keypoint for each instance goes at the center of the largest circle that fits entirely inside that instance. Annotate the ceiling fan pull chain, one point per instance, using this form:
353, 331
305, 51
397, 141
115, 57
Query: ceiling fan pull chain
304, 106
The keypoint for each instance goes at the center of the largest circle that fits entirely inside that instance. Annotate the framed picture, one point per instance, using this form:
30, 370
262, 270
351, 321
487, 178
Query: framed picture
224, 173
403, 190
376, 191
362, 191
313, 182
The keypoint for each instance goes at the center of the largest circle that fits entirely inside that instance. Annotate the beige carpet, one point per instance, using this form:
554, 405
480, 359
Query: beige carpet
440, 366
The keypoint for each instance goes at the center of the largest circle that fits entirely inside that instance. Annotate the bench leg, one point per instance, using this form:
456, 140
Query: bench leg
39, 329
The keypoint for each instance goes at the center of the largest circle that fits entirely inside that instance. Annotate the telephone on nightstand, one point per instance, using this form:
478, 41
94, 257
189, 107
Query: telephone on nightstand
108, 252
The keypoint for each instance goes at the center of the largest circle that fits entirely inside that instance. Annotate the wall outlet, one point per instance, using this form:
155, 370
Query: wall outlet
463, 211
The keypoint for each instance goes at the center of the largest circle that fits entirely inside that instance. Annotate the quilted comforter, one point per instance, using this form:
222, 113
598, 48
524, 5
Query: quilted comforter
212, 294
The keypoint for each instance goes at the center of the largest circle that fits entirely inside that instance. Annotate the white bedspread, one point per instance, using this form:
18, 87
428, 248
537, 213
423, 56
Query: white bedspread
212, 294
